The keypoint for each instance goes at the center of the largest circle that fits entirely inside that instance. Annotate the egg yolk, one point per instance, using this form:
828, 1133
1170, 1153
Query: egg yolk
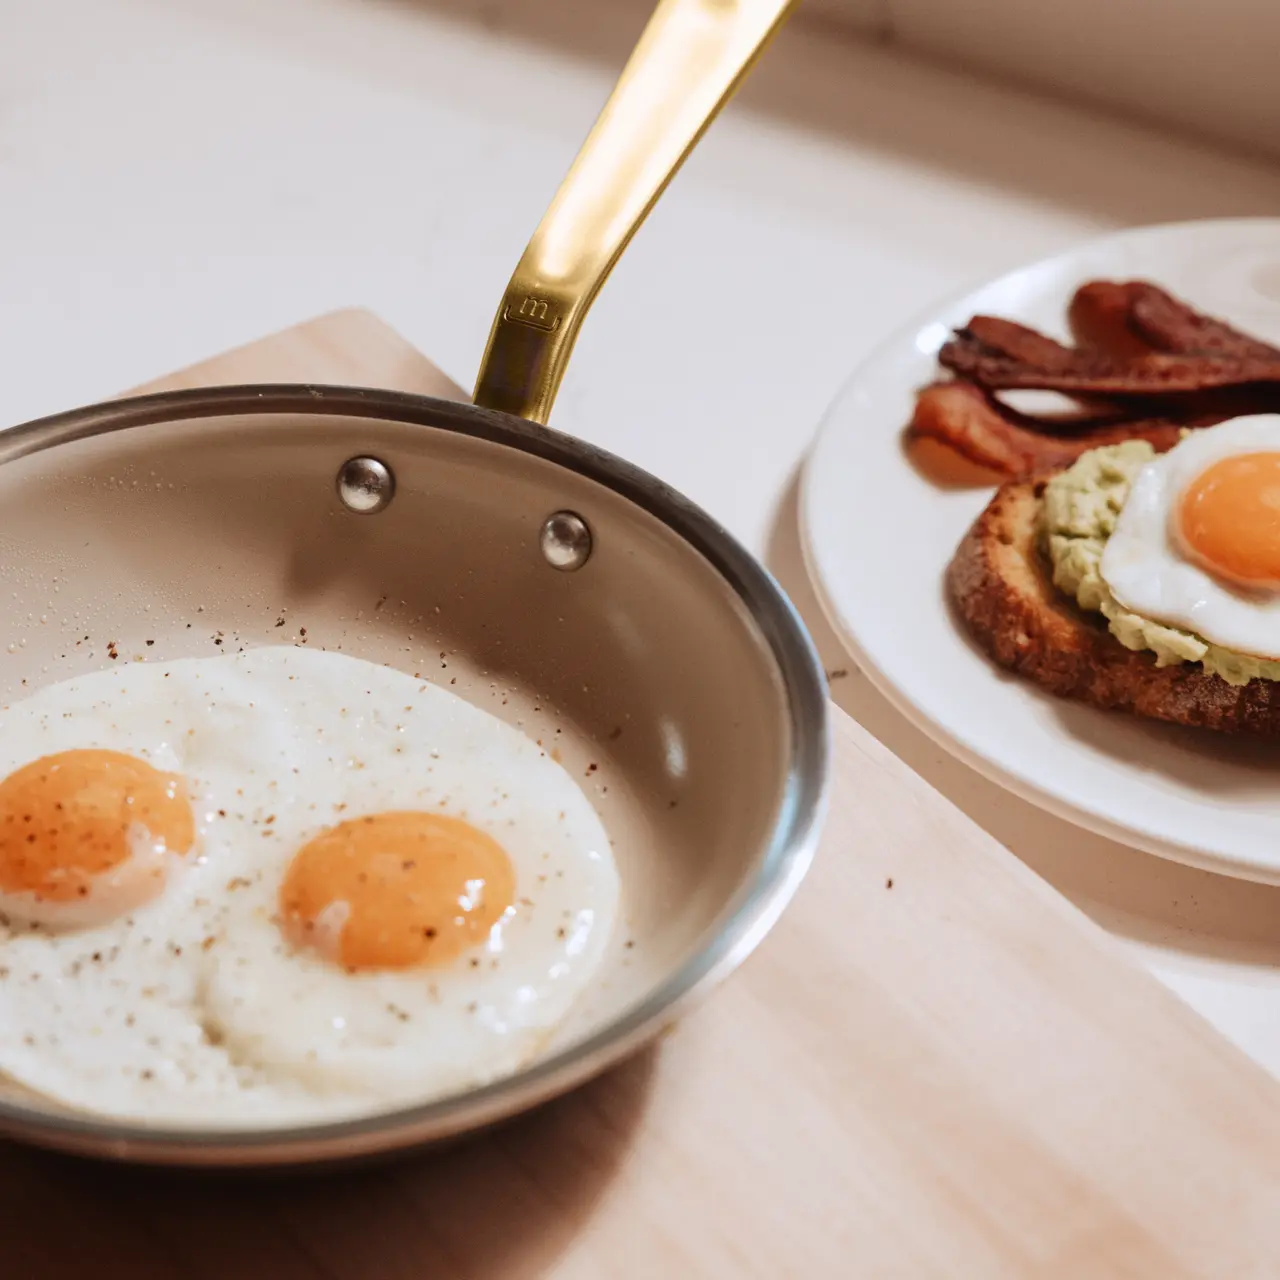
1229, 519
396, 891
66, 819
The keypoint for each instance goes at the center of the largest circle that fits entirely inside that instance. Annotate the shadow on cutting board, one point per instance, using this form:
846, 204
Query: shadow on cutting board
500, 1206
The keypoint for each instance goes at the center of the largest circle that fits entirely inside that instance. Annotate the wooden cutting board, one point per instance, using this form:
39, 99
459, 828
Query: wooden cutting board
934, 1067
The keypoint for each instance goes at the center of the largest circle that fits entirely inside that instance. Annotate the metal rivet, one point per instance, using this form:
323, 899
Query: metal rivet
565, 541
366, 485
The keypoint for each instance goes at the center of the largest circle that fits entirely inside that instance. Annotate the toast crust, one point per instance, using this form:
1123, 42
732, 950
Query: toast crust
1001, 586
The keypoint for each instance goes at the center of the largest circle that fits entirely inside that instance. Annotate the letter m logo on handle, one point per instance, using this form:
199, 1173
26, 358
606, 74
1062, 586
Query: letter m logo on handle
537, 313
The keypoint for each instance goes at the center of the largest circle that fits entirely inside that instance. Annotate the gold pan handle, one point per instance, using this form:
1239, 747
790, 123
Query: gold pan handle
690, 59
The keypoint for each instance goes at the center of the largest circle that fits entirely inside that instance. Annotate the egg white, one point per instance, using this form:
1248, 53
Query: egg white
1149, 573
192, 1008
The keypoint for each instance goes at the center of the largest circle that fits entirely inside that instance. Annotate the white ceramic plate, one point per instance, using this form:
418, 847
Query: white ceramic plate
878, 536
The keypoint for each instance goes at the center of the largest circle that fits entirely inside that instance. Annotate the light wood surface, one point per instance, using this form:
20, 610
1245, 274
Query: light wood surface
934, 1067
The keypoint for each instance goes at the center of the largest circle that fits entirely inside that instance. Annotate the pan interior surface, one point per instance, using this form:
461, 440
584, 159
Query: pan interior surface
643, 671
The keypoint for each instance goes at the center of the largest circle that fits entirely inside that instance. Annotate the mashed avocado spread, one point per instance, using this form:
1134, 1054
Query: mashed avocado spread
1080, 510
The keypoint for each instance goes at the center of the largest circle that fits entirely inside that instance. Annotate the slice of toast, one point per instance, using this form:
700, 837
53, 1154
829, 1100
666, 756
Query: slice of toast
1000, 583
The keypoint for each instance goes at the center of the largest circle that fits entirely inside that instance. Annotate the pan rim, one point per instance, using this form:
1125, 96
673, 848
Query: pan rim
787, 856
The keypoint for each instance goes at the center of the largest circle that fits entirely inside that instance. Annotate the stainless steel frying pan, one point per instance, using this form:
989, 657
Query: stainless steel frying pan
543, 579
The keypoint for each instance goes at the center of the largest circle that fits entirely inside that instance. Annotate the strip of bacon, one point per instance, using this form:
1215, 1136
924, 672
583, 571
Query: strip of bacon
1131, 317
1169, 324
1018, 342
1099, 315
1090, 373
968, 420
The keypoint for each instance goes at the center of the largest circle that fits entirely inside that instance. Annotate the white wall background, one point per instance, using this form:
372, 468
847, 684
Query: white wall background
1211, 68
